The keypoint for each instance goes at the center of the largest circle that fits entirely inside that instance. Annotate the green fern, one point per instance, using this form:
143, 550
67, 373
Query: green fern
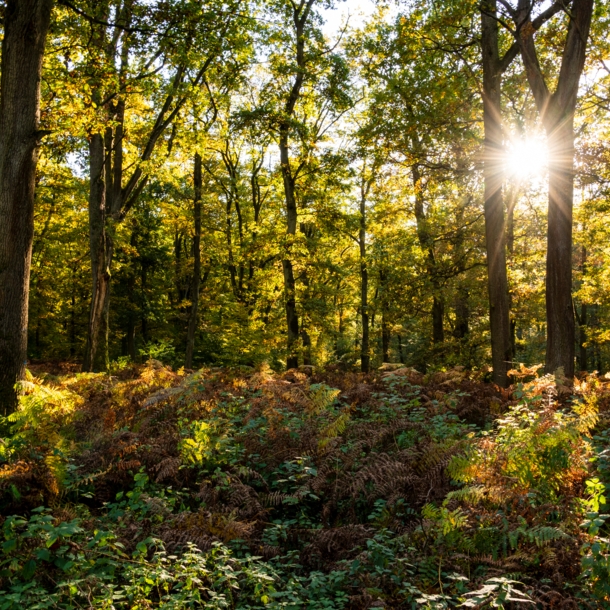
334, 429
321, 397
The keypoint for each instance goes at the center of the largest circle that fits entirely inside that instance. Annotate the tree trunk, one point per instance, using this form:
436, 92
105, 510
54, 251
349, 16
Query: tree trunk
462, 314
559, 306
427, 245
300, 16
584, 360
192, 326
25, 28
438, 313
365, 355
494, 206
101, 248
400, 354
557, 113
385, 338
292, 319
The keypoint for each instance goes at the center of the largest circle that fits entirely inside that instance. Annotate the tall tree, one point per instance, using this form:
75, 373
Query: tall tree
196, 281
112, 193
497, 277
26, 23
300, 14
557, 111
494, 66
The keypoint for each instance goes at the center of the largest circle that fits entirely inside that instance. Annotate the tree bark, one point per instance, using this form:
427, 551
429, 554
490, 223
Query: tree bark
427, 245
300, 15
365, 349
557, 113
497, 283
101, 249
26, 23
192, 326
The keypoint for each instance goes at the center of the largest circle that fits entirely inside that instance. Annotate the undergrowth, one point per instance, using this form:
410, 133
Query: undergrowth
235, 488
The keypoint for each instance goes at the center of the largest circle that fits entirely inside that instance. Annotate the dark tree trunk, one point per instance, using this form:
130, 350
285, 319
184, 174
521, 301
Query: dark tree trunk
300, 16
385, 338
583, 359
192, 326
438, 313
494, 206
73, 317
109, 199
427, 245
306, 339
557, 113
385, 322
559, 306
400, 354
582, 320
25, 28
143, 310
462, 314
292, 319
365, 349
101, 248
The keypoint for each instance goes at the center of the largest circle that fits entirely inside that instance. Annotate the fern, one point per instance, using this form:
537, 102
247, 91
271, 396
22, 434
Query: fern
321, 397
334, 429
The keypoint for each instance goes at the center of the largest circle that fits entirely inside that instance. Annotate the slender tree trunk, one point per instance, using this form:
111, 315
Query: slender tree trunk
101, 248
510, 248
73, 317
494, 206
292, 319
385, 338
584, 360
300, 16
400, 354
583, 321
385, 323
427, 245
192, 326
462, 314
365, 355
143, 316
25, 28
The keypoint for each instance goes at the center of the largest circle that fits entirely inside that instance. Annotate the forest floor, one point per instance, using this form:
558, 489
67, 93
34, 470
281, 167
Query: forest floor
243, 488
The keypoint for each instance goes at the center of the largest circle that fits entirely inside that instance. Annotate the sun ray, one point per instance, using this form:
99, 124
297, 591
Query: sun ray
526, 158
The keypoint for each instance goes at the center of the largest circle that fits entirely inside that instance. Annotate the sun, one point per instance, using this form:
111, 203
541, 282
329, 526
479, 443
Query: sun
526, 158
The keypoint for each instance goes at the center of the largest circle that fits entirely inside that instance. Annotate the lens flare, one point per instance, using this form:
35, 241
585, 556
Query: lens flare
526, 158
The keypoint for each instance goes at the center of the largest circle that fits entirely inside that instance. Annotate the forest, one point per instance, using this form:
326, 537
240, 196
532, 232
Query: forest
304, 304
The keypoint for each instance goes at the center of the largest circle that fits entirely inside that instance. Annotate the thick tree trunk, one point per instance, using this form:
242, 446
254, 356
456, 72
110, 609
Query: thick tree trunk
25, 28
559, 306
494, 205
557, 112
192, 326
